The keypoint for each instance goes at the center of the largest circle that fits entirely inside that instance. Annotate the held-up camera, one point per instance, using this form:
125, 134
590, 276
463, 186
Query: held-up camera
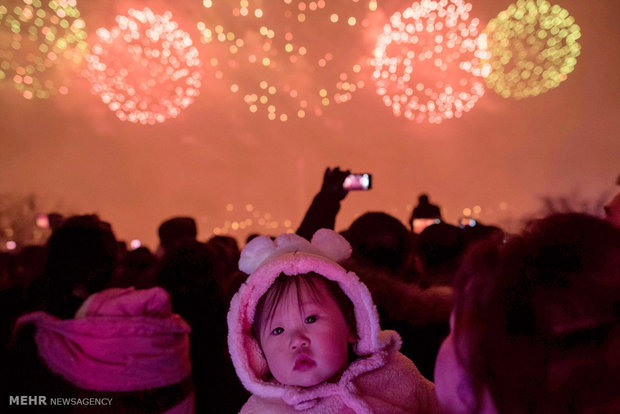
357, 182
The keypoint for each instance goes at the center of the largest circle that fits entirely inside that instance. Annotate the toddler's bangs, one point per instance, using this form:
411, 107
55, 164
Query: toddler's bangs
269, 302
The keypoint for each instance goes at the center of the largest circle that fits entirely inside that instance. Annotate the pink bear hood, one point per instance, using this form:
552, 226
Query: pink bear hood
264, 260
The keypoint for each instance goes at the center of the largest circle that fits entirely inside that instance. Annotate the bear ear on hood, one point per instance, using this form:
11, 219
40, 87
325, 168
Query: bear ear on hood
262, 249
331, 245
255, 253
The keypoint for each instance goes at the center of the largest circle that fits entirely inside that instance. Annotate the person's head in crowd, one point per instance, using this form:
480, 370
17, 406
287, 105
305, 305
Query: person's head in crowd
7, 279
121, 245
425, 209
612, 210
381, 241
135, 269
19, 268
480, 232
438, 251
225, 250
55, 220
225, 253
174, 230
424, 215
140, 258
29, 264
186, 272
81, 258
535, 327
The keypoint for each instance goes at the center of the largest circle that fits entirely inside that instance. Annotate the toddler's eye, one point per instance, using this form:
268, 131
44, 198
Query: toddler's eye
277, 331
311, 319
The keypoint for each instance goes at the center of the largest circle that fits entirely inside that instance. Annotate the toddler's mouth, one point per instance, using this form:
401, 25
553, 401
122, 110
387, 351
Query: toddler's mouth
304, 363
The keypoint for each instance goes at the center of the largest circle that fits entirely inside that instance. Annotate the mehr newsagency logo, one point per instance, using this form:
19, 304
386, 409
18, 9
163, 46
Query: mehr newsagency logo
43, 400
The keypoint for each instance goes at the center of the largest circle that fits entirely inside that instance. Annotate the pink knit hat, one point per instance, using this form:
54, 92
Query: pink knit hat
264, 260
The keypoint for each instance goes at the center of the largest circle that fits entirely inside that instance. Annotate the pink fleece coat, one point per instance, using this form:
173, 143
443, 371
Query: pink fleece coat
380, 380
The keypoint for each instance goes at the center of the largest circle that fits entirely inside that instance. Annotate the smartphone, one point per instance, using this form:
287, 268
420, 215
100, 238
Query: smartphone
357, 182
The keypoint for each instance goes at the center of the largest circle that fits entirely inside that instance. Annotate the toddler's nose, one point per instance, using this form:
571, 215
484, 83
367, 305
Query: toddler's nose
299, 340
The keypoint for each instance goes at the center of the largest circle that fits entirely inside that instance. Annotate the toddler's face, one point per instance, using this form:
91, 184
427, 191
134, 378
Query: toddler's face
306, 344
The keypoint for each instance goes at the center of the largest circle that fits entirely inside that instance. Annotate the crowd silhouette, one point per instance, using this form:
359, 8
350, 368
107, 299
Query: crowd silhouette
529, 322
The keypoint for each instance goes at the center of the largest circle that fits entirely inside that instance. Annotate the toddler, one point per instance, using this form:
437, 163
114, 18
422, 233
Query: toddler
304, 335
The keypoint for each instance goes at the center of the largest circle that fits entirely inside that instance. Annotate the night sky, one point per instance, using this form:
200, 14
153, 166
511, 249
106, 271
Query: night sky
219, 162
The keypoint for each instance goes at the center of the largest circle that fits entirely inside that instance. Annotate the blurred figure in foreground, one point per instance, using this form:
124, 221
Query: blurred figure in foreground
536, 324
612, 211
